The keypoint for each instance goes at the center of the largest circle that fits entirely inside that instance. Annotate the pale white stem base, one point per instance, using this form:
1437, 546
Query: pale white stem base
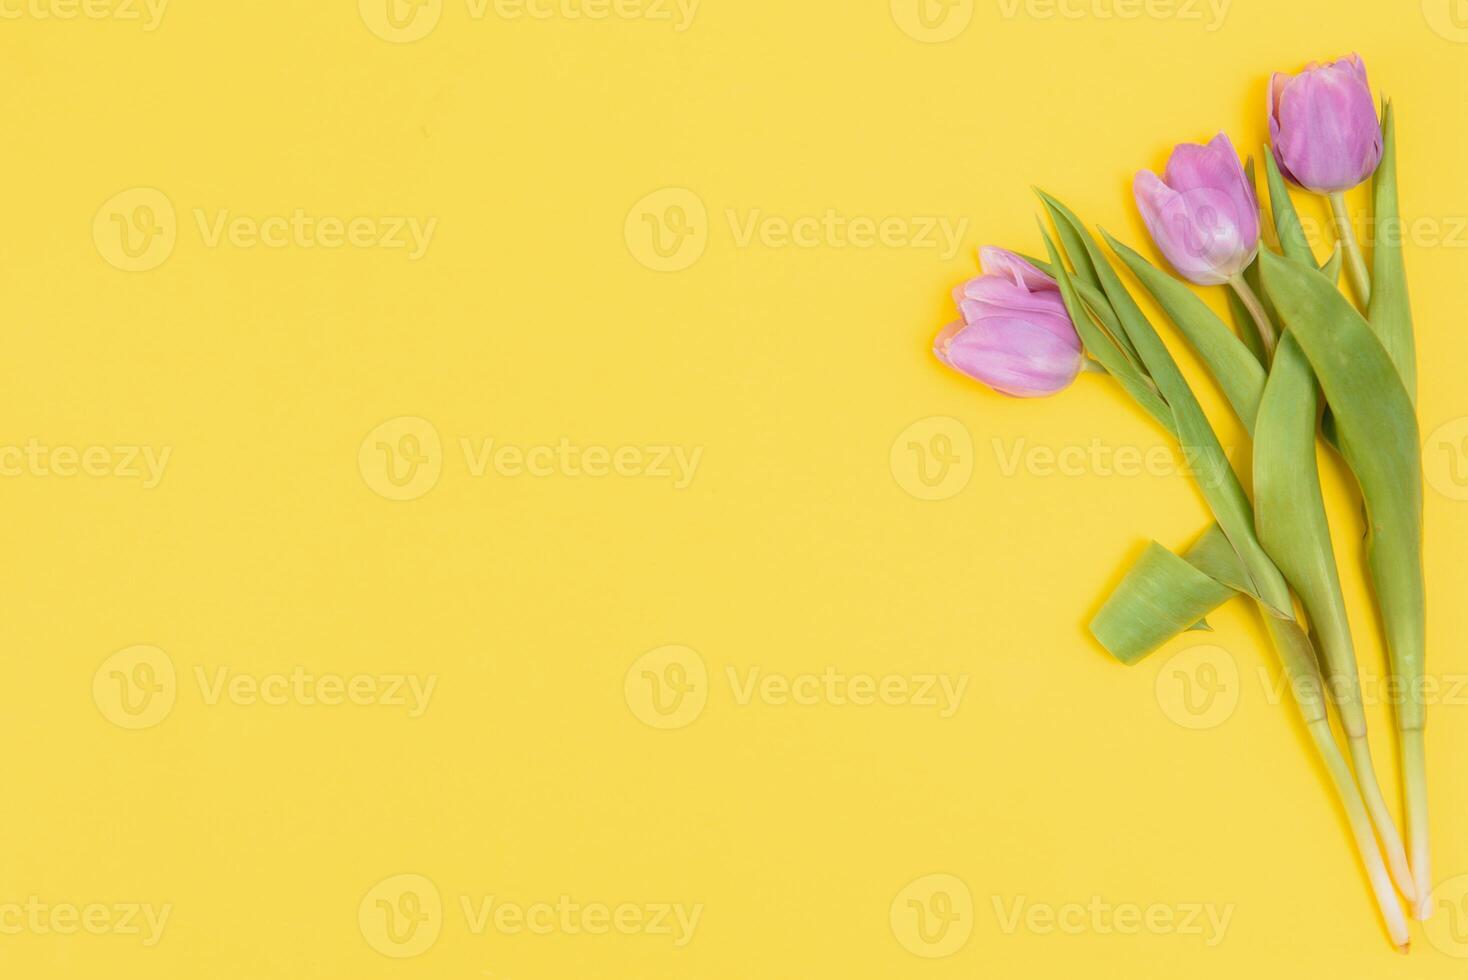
1381, 883
1381, 818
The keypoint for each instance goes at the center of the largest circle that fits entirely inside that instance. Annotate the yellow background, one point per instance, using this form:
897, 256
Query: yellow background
534, 318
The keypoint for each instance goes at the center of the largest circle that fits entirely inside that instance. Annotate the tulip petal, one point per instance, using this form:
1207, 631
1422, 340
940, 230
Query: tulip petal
991, 295
1015, 357
1324, 127
1206, 233
944, 339
1002, 262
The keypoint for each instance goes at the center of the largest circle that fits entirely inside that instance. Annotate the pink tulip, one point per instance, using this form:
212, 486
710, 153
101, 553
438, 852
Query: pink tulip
1203, 212
1015, 335
1323, 125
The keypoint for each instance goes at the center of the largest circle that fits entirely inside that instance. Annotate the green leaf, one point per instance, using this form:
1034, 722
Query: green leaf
1391, 310
1238, 372
1101, 347
1160, 597
1287, 227
1215, 476
1332, 267
1289, 512
1289, 508
1377, 427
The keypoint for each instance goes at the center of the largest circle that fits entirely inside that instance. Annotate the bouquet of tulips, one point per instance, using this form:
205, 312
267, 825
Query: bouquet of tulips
1302, 363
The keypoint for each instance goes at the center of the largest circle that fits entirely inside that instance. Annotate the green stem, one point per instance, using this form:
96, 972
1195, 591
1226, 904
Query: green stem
1355, 261
1302, 669
1251, 302
1414, 778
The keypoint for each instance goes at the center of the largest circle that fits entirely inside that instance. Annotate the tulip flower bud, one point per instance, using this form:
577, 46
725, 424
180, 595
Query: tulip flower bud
1015, 335
1323, 125
1203, 212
